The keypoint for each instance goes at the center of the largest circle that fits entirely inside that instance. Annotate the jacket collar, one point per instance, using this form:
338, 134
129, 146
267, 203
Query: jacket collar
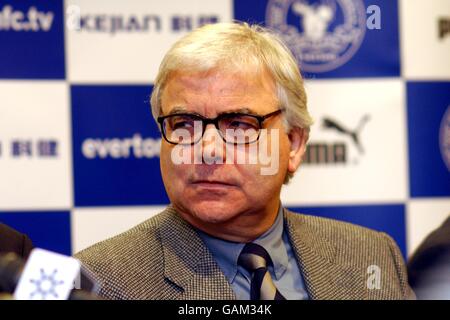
188, 263
316, 255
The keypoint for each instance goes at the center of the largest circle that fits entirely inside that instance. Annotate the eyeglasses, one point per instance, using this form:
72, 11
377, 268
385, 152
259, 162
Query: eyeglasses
234, 127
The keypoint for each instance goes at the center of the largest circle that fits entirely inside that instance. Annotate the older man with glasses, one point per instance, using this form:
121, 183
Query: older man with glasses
225, 93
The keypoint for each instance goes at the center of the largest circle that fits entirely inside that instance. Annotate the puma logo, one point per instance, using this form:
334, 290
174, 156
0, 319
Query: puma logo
354, 134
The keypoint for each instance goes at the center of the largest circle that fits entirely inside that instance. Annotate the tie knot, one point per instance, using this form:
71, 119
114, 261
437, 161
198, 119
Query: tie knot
254, 257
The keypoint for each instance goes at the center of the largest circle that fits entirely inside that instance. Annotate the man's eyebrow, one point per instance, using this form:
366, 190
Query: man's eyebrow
243, 110
178, 109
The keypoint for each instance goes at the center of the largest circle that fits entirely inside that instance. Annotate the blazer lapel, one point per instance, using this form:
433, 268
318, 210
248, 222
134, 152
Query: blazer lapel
324, 278
188, 263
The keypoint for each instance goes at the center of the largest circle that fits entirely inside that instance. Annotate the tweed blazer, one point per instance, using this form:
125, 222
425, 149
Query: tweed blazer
164, 258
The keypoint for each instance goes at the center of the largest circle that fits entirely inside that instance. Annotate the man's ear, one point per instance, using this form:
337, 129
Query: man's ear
298, 138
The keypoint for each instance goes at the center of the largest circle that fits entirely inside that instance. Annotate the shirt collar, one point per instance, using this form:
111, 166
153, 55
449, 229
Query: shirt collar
227, 253
272, 241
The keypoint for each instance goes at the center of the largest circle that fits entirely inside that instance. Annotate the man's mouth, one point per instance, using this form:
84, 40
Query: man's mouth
212, 184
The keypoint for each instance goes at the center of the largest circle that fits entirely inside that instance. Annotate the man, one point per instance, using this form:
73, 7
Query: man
429, 267
14, 241
231, 105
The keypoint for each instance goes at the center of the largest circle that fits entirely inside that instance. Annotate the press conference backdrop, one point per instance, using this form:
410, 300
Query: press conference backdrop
79, 150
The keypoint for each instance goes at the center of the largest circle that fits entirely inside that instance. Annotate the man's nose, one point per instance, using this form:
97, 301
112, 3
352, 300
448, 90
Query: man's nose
213, 145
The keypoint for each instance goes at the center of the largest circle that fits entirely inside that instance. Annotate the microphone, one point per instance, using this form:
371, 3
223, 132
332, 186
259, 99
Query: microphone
45, 276
11, 267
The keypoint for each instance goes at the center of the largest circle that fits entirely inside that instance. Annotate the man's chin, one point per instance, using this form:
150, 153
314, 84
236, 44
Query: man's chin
214, 212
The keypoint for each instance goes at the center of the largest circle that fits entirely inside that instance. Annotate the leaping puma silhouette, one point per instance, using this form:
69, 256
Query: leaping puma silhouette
354, 134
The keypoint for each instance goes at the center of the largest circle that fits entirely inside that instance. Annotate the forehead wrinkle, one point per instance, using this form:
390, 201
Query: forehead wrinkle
214, 87
209, 81
185, 100
209, 92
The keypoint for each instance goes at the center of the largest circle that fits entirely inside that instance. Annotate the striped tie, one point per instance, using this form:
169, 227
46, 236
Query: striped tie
255, 260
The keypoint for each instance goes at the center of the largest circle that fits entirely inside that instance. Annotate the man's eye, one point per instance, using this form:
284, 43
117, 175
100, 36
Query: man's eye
241, 124
182, 124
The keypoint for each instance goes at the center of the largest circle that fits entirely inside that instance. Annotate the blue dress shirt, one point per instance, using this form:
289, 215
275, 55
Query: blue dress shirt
285, 273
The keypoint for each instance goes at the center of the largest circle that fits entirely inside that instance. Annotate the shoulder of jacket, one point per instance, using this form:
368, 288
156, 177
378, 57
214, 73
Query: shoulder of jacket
117, 249
348, 239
